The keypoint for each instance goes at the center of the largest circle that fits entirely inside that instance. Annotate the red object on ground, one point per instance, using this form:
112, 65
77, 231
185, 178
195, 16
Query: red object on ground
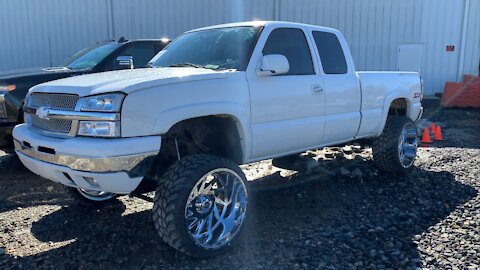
438, 134
463, 94
426, 136
468, 78
432, 127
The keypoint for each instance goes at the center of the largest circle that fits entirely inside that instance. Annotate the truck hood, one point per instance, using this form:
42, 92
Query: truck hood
127, 81
8, 76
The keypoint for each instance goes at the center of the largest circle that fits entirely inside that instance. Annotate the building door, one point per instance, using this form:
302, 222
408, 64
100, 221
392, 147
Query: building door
410, 57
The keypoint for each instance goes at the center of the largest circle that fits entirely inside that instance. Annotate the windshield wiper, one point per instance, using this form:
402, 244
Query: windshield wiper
186, 64
211, 67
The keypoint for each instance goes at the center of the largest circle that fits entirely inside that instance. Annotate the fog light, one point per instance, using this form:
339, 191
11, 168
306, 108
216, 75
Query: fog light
99, 129
90, 180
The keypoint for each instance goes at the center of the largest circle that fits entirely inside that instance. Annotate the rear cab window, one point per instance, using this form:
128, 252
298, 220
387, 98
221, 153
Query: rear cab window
330, 52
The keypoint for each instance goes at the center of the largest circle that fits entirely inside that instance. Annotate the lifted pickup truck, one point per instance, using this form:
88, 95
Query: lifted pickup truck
215, 98
103, 56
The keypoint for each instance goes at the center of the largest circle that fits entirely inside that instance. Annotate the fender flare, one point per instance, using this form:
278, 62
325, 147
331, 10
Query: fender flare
168, 118
386, 106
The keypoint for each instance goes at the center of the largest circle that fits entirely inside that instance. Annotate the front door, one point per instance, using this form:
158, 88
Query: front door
287, 111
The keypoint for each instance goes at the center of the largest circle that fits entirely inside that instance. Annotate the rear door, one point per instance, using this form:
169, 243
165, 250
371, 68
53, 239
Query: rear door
341, 86
286, 110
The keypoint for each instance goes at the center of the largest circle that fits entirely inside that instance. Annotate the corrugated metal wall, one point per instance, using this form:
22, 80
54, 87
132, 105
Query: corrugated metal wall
372, 28
472, 48
152, 18
441, 27
45, 32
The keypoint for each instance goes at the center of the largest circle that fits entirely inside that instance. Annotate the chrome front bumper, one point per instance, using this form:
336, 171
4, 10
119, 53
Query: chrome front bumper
83, 163
110, 165
85, 154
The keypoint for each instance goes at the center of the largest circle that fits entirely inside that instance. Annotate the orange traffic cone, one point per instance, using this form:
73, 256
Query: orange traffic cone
432, 127
438, 134
426, 136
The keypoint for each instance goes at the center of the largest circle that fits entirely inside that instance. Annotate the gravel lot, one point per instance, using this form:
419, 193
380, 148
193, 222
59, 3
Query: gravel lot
337, 211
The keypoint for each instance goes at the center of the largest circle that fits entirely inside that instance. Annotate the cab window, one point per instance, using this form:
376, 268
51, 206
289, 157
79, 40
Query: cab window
292, 43
331, 53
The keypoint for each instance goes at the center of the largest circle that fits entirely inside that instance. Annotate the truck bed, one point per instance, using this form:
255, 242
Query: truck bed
378, 89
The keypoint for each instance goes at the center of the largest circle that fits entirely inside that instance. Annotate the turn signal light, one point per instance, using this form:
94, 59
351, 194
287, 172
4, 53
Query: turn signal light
7, 88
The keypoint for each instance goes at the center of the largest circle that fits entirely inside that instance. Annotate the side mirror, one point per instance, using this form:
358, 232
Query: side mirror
273, 64
124, 62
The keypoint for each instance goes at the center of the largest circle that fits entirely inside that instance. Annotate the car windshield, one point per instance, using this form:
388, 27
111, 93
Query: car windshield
223, 48
90, 57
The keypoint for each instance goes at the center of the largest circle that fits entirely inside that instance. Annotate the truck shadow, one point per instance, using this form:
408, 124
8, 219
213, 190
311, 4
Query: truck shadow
329, 221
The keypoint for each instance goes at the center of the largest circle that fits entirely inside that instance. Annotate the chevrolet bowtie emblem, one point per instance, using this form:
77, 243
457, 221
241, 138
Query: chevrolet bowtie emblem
42, 113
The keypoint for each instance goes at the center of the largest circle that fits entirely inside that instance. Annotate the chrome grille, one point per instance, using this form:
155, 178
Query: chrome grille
53, 101
53, 125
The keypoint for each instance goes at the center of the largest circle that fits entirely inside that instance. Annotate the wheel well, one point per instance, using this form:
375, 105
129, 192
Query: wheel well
398, 107
215, 134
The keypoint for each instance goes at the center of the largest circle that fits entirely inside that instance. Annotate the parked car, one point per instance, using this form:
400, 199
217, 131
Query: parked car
103, 56
217, 97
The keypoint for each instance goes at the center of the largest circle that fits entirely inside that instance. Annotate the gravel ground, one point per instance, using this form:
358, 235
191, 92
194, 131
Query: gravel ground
335, 211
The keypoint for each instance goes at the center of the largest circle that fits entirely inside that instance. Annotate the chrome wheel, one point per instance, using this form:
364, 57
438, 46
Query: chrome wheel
407, 145
216, 208
94, 195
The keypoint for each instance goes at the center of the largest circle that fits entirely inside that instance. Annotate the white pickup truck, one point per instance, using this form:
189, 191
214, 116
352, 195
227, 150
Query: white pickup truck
213, 99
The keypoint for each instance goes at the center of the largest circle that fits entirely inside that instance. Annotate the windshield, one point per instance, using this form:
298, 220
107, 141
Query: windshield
90, 57
223, 48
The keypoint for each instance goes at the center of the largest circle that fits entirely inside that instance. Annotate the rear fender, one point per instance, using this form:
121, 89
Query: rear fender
386, 106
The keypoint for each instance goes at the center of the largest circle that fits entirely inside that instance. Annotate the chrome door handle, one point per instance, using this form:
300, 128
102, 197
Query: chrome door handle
317, 90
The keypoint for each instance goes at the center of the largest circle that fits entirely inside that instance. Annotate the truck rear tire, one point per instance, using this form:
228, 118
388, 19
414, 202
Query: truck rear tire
200, 205
395, 150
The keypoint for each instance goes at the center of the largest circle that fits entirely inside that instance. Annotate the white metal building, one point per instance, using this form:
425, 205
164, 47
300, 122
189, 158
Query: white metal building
439, 37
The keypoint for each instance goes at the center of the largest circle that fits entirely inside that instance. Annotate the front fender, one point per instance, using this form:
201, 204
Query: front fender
168, 118
153, 111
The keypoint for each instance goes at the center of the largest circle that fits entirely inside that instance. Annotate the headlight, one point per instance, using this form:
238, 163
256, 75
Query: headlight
103, 103
7, 88
99, 129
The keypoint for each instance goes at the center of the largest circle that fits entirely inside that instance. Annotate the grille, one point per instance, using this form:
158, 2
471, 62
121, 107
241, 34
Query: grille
53, 125
54, 101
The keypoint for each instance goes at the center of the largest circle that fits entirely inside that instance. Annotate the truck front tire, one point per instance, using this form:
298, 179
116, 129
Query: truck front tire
395, 150
200, 205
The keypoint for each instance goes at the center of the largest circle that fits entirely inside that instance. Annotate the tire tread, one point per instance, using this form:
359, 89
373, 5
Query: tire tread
173, 186
385, 147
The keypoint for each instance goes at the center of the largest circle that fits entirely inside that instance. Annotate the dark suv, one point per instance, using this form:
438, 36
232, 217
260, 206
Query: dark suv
103, 56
